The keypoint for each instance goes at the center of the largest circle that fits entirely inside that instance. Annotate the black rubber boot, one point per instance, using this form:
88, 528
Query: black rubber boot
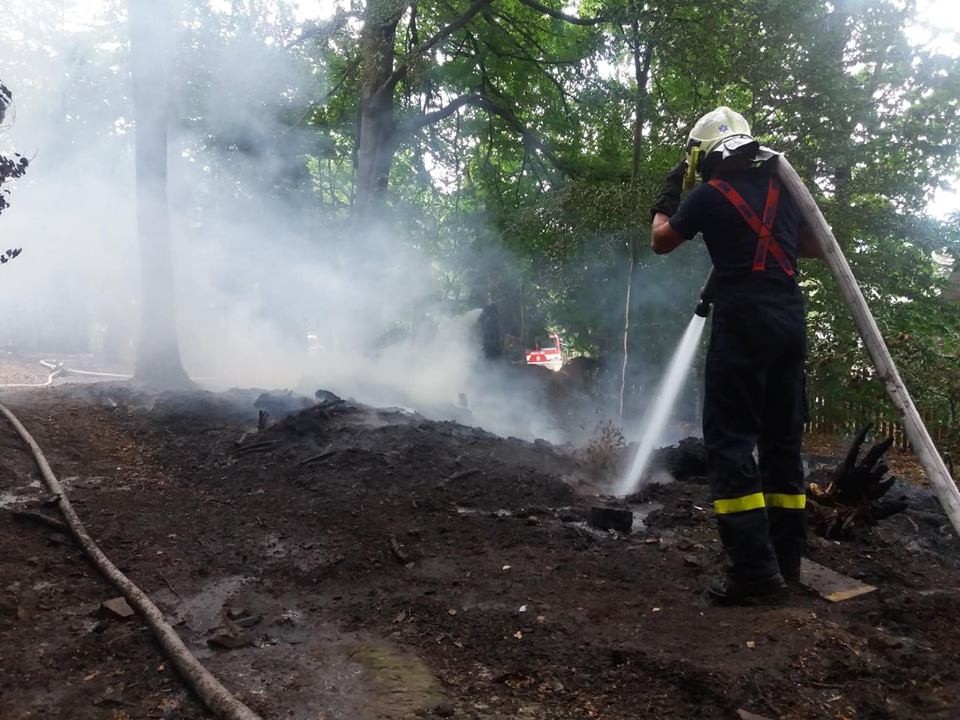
737, 592
790, 570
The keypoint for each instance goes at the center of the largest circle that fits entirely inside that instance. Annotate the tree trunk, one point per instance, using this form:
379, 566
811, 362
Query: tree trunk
523, 316
158, 354
641, 67
377, 141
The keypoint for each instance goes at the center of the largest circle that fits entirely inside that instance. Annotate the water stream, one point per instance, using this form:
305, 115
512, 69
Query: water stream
656, 418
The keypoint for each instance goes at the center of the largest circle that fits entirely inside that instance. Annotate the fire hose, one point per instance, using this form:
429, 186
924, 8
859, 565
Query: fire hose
53, 365
211, 692
58, 369
933, 464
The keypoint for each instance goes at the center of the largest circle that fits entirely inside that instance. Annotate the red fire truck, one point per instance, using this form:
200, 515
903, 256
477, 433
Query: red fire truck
551, 357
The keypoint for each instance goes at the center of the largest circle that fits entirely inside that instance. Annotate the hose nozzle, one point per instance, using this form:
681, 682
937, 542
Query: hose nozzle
706, 297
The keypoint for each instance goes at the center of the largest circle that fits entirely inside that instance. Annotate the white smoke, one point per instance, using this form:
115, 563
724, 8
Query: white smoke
269, 291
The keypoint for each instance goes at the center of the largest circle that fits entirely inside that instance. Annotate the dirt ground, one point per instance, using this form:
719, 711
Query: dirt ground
372, 564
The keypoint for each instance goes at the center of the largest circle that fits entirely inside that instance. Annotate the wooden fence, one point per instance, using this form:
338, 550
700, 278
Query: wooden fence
827, 416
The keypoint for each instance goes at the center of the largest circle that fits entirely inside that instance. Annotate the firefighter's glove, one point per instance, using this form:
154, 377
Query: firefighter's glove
668, 200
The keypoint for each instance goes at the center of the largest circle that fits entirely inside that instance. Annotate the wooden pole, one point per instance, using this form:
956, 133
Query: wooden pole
916, 431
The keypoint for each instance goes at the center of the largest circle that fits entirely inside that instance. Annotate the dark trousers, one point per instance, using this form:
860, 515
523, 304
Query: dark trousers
755, 398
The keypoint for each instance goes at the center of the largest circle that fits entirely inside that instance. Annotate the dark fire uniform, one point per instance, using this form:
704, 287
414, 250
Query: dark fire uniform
754, 396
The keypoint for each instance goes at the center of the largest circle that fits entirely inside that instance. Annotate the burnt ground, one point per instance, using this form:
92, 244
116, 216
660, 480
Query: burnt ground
373, 564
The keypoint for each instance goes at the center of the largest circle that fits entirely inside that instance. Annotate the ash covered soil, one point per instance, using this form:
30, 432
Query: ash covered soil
353, 563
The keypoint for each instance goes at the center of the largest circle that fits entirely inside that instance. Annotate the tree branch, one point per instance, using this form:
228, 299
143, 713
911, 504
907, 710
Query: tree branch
404, 66
529, 138
538, 65
446, 111
543, 62
344, 76
572, 64
521, 31
533, 4
493, 108
325, 30
353, 65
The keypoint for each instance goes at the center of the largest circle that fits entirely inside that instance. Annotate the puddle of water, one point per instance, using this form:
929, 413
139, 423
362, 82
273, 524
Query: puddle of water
200, 610
303, 665
316, 679
501, 513
82, 483
641, 512
8, 500
291, 616
18, 496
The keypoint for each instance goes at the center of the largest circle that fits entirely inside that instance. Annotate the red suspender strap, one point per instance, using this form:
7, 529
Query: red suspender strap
766, 234
763, 228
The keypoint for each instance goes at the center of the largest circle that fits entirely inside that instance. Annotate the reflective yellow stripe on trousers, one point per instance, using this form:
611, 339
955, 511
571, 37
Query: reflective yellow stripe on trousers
786, 501
743, 503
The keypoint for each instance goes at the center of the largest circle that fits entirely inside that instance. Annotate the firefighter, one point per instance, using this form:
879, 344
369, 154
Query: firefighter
754, 396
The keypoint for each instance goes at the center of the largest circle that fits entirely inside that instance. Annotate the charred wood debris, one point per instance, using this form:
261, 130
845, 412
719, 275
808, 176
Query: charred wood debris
853, 497
841, 502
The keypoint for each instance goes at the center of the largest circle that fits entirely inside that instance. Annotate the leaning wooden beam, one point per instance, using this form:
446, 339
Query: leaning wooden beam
933, 465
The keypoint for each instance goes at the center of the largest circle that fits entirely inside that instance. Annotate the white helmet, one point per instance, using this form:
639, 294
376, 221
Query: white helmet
722, 131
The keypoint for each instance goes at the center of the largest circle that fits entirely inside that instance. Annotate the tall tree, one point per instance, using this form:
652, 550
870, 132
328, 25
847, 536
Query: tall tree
158, 352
